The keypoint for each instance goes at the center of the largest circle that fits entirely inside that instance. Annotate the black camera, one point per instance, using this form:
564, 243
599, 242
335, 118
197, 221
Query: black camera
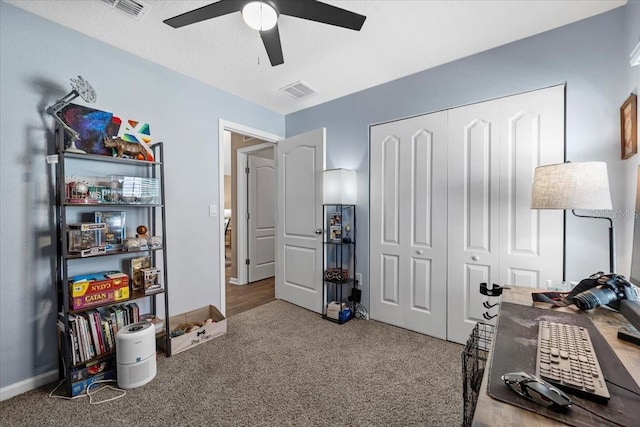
603, 289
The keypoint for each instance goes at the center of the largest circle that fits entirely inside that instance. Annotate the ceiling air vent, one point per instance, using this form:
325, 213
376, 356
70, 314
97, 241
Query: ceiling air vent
135, 9
298, 90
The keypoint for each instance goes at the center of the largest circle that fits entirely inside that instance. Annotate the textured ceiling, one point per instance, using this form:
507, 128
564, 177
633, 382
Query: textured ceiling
398, 38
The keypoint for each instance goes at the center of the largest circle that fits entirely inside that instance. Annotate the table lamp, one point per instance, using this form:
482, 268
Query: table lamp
575, 186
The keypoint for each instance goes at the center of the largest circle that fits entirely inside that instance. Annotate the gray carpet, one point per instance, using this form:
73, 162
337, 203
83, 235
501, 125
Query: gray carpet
279, 365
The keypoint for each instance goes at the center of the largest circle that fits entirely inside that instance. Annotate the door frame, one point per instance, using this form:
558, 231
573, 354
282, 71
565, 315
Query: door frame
240, 228
243, 130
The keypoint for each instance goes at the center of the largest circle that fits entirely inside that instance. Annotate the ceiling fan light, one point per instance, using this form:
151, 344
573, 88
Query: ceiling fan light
259, 15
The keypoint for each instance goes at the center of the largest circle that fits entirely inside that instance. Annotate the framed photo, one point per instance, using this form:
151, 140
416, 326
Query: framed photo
629, 126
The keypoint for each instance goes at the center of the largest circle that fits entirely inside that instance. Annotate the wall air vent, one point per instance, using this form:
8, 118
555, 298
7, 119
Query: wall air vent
133, 8
298, 90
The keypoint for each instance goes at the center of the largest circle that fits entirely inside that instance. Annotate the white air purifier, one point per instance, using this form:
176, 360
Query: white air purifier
136, 354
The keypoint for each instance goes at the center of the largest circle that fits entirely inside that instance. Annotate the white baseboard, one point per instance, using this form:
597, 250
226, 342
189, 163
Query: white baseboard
27, 385
234, 281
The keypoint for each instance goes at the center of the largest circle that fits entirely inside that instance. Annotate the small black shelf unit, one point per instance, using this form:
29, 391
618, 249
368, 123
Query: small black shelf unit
69, 264
339, 261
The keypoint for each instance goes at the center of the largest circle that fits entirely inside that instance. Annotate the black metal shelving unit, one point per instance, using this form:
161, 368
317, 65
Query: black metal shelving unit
339, 260
154, 215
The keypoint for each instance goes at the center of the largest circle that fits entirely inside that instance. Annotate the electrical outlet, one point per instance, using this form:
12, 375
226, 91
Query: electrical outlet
359, 279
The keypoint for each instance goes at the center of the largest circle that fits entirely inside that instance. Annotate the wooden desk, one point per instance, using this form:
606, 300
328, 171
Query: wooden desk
491, 412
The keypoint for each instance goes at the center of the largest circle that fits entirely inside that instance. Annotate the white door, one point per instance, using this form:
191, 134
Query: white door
261, 222
494, 237
474, 220
530, 239
299, 233
408, 240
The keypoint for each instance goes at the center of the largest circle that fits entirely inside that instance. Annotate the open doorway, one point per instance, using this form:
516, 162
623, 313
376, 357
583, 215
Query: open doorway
239, 146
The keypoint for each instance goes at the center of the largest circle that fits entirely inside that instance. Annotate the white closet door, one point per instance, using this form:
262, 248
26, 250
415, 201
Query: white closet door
532, 135
408, 223
494, 236
474, 200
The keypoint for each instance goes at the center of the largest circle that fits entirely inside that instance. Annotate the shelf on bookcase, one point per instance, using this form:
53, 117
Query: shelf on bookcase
109, 253
101, 158
134, 296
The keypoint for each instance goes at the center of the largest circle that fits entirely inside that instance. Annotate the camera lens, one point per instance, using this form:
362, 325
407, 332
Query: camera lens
593, 298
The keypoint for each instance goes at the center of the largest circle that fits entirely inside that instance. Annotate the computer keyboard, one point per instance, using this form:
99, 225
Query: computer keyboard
566, 359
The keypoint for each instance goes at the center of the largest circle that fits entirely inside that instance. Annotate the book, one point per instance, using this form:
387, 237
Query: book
135, 267
94, 332
84, 333
116, 231
87, 370
80, 387
136, 312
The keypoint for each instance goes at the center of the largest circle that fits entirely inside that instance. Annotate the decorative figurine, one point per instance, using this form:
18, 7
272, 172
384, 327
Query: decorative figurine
122, 147
347, 236
82, 88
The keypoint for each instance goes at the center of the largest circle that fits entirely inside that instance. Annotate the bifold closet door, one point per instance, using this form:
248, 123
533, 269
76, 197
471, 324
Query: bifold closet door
494, 237
409, 222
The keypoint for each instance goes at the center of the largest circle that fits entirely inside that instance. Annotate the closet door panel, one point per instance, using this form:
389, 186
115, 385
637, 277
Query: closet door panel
426, 296
473, 198
405, 181
532, 135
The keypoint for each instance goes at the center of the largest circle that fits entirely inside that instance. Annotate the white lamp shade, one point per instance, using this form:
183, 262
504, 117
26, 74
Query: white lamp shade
259, 15
571, 186
339, 187
227, 213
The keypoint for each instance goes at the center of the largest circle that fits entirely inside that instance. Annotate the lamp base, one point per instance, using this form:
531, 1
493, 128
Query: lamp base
630, 334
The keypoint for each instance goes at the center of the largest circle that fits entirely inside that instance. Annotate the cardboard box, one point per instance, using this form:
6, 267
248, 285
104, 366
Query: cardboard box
334, 309
88, 284
100, 298
90, 290
80, 387
200, 335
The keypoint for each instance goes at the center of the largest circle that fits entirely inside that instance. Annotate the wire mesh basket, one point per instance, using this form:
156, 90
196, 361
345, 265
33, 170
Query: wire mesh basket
474, 360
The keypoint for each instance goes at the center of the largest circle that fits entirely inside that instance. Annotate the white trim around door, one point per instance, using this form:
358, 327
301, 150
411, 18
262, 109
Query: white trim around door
243, 130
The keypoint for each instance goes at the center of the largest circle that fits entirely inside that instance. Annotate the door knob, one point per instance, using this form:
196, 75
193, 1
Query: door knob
475, 257
420, 252
318, 230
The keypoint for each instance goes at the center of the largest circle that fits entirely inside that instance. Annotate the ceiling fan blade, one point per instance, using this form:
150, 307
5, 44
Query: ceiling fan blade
271, 40
213, 10
321, 12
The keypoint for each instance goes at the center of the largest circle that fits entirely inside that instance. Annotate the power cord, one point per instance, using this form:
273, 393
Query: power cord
361, 312
596, 414
624, 388
600, 416
90, 393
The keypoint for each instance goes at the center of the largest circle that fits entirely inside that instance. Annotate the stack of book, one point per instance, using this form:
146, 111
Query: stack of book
93, 333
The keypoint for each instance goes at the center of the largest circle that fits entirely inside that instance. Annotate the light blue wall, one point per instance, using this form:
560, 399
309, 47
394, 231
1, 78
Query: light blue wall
37, 59
591, 56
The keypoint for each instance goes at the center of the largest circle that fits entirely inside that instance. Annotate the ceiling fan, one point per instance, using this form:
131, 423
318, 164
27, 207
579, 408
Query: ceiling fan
263, 16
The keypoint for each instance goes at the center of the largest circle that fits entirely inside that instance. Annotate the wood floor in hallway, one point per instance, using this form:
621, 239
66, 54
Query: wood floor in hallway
246, 297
